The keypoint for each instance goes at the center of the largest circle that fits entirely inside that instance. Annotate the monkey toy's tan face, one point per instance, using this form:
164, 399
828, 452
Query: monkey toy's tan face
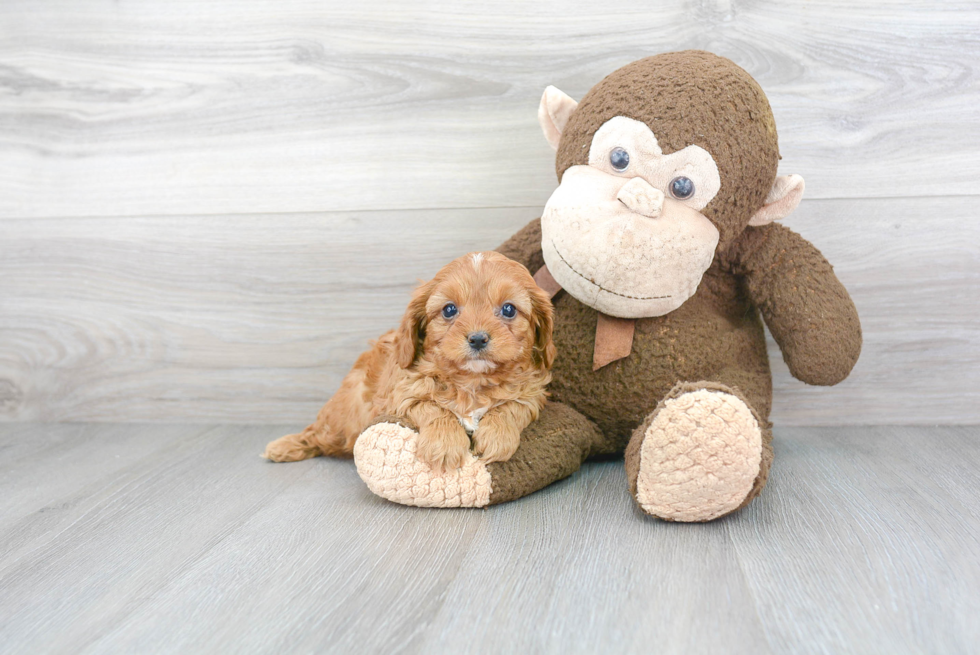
625, 234
635, 222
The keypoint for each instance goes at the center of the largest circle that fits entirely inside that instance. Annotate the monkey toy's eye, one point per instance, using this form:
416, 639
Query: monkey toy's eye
682, 188
508, 310
449, 311
620, 159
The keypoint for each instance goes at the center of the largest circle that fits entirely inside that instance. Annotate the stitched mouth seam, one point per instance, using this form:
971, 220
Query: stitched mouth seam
601, 288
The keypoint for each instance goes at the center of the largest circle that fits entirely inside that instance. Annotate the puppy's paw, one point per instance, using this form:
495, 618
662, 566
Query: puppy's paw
291, 448
443, 445
494, 443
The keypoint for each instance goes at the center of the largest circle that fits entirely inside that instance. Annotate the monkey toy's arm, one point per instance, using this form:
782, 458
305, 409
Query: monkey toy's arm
525, 246
810, 314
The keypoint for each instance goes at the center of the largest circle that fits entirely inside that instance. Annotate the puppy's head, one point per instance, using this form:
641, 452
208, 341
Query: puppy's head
481, 313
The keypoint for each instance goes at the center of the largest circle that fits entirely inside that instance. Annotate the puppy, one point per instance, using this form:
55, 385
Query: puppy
472, 356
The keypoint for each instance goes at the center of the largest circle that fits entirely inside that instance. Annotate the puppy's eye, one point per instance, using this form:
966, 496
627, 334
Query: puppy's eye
508, 310
620, 159
449, 311
682, 188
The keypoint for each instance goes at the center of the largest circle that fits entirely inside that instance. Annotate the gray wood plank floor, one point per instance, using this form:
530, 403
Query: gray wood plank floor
167, 538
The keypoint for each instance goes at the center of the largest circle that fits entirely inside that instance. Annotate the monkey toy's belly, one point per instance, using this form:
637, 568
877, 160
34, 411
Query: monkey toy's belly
709, 338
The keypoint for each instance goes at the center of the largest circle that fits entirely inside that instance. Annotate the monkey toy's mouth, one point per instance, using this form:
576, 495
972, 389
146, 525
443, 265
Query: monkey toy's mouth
599, 286
625, 264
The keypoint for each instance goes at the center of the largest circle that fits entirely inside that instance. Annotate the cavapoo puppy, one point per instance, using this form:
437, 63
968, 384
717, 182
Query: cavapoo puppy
472, 356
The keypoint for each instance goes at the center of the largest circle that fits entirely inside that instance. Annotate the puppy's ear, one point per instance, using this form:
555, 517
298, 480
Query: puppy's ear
411, 331
543, 351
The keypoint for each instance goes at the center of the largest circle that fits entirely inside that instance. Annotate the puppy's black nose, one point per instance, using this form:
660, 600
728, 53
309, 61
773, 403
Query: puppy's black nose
478, 340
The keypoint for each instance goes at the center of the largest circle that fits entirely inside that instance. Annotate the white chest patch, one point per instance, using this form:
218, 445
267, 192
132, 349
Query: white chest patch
471, 422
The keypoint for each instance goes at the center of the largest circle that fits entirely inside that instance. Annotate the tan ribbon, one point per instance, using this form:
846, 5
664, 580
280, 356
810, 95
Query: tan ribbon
613, 339
613, 336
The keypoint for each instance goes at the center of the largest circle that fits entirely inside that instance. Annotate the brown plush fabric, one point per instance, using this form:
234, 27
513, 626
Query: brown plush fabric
810, 314
712, 103
552, 448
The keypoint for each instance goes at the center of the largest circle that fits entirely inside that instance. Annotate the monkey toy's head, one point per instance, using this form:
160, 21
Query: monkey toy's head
663, 164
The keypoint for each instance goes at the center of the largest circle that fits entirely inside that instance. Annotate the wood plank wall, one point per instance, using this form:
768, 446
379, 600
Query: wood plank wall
207, 209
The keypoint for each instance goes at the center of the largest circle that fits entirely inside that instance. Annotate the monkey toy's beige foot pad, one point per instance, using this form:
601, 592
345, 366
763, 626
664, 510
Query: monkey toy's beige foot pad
385, 458
699, 457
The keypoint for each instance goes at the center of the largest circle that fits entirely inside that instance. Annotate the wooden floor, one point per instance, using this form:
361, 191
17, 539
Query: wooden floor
175, 538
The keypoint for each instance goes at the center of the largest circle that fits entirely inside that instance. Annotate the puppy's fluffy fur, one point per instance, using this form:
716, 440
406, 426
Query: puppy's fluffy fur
432, 371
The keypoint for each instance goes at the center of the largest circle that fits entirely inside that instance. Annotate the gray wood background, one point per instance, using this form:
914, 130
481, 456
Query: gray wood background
207, 209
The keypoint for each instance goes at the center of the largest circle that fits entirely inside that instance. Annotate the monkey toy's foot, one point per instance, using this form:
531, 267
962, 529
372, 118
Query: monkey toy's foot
385, 457
698, 456
552, 447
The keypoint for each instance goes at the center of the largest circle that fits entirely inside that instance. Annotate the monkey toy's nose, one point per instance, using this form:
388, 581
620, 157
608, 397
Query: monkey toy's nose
640, 197
478, 340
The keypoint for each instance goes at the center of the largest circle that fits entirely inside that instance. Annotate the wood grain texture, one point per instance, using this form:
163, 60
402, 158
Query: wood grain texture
864, 541
257, 318
886, 547
188, 108
46, 470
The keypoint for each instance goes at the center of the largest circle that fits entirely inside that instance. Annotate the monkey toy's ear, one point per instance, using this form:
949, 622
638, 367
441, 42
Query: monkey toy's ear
553, 113
783, 198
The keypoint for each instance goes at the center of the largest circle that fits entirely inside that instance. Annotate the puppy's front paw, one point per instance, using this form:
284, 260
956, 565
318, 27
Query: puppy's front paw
493, 443
443, 445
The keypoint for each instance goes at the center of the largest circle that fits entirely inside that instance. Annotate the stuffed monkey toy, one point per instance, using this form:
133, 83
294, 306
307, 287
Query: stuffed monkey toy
663, 255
